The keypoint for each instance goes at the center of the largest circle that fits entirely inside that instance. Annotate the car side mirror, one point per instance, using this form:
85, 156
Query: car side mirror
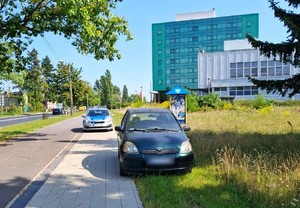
118, 128
186, 128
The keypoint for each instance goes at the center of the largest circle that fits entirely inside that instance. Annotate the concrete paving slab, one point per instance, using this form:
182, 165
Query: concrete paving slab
88, 176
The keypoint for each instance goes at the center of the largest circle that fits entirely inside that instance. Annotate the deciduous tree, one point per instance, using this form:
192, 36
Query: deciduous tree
89, 24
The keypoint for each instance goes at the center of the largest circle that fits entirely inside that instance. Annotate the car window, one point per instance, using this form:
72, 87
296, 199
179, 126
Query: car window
98, 113
153, 120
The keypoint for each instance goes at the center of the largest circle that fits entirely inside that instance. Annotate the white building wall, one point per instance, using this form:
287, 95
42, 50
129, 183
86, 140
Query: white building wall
195, 15
214, 71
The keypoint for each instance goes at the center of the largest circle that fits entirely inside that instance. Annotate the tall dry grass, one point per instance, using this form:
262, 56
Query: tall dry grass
257, 151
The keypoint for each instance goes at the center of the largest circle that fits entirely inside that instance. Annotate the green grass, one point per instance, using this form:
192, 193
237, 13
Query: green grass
243, 158
10, 132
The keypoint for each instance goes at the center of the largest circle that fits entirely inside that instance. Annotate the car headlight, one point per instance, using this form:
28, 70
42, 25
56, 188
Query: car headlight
108, 119
87, 119
130, 148
186, 147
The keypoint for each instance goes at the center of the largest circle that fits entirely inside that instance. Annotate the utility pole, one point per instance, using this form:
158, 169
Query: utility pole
71, 90
87, 100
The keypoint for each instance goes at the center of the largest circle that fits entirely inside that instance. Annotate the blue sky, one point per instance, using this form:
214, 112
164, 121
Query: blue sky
135, 68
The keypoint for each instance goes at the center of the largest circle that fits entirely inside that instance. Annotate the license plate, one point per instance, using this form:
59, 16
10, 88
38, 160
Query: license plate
160, 161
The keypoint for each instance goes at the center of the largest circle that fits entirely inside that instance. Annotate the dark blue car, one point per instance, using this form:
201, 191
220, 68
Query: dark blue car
152, 140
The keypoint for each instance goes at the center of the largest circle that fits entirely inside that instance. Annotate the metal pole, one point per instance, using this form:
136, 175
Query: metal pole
71, 91
87, 100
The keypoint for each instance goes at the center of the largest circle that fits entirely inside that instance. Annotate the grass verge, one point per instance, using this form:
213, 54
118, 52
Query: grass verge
10, 132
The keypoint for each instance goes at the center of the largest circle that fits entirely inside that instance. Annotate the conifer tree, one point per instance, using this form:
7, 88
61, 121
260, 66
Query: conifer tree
288, 51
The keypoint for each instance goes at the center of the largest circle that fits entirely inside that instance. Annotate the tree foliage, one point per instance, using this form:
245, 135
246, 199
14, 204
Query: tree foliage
288, 51
34, 83
125, 96
89, 24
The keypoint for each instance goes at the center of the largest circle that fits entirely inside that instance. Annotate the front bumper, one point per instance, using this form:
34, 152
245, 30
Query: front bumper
140, 164
97, 126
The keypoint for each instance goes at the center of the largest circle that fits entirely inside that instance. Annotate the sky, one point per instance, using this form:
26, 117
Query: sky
134, 69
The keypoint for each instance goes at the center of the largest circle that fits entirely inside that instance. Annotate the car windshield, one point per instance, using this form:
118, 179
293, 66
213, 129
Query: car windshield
159, 121
98, 113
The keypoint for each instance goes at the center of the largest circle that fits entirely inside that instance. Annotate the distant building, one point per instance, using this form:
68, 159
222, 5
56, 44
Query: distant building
227, 72
176, 45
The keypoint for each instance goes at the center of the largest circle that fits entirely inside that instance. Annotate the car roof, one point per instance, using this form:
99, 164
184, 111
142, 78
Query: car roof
145, 110
98, 108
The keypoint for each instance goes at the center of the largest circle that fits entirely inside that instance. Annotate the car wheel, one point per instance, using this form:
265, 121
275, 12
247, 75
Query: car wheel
122, 173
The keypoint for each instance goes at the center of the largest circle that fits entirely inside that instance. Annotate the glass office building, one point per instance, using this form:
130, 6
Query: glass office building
175, 45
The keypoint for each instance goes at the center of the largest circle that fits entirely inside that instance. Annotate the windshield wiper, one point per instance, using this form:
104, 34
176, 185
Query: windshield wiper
160, 129
135, 129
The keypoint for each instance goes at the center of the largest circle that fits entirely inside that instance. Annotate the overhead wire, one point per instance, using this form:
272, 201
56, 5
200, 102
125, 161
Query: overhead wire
50, 47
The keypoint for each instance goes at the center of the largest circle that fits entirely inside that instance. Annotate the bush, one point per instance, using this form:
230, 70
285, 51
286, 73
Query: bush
260, 102
210, 101
192, 102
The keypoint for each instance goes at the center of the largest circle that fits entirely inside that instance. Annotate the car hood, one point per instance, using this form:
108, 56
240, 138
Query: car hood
152, 140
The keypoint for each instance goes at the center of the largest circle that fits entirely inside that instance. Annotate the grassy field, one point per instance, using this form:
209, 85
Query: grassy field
244, 158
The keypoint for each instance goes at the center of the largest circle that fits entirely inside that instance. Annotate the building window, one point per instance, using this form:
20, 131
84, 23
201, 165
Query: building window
174, 81
159, 42
254, 69
254, 90
193, 39
286, 70
263, 72
174, 61
174, 40
174, 30
193, 28
190, 70
278, 68
248, 23
159, 52
247, 90
271, 70
263, 68
174, 71
159, 62
159, 32
240, 91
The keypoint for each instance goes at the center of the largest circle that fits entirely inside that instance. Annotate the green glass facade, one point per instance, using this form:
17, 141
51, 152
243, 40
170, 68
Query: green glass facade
175, 46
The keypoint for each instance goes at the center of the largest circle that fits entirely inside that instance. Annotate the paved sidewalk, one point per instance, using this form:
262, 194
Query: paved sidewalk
88, 176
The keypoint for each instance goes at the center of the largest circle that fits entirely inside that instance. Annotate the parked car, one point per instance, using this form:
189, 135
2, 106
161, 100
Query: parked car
56, 111
97, 118
152, 140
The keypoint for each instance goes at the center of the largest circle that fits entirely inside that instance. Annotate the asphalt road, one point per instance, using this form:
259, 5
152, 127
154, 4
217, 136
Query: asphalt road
24, 158
12, 120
